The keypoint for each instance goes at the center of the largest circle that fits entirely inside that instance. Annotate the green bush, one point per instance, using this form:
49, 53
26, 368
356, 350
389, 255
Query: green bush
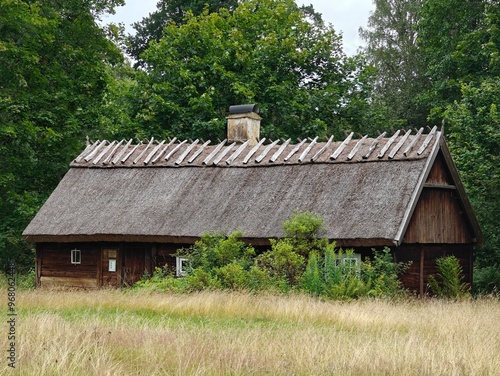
381, 274
487, 280
448, 283
282, 263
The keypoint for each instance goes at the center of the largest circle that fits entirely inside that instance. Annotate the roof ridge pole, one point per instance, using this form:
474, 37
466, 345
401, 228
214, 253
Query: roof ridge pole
308, 149
427, 140
399, 144
106, 149
266, 150
356, 147
253, 150
164, 150
79, 158
374, 145
413, 142
215, 151
342, 146
388, 144
131, 152
223, 154
186, 152
108, 158
416, 193
322, 150
198, 152
172, 152
294, 150
119, 155
150, 155
237, 152
144, 151
280, 150
94, 152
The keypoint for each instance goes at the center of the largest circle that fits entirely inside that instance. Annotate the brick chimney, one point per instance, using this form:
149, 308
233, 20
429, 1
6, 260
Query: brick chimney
243, 123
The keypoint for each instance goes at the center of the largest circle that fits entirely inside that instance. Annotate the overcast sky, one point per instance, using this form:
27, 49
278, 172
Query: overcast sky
345, 15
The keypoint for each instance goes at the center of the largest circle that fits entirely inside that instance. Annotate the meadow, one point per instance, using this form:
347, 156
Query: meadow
231, 333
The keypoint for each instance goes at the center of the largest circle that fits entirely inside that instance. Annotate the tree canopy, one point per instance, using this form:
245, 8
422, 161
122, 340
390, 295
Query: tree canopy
265, 51
53, 58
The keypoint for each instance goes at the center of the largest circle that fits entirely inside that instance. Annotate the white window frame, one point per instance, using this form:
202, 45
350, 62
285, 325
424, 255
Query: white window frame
182, 265
76, 256
344, 260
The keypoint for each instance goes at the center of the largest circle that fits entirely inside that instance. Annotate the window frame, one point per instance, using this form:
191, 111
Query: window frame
341, 261
76, 256
182, 264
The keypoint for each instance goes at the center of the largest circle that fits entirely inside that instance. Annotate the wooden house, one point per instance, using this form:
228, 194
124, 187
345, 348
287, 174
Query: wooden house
125, 208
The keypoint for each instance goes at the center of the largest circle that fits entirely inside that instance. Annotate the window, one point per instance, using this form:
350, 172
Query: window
349, 263
182, 266
76, 256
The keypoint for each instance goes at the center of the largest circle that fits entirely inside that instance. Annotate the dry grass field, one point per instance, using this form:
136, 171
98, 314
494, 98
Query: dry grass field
219, 333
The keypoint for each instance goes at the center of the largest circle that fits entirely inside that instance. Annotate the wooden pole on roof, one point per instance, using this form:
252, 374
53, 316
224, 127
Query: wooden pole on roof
279, 151
155, 149
172, 152
342, 146
144, 151
308, 149
399, 144
253, 150
374, 145
356, 148
119, 155
427, 140
223, 154
198, 152
294, 150
413, 142
186, 152
322, 150
237, 152
163, 150
266, 150
214, 152
388, 144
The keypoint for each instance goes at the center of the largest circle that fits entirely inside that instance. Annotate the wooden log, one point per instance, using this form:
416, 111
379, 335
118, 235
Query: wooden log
237, 152
124, 159
266, 150
88, 148
198, 152
253, 150
294, 150
279, 151
409, 148
308, 149
94, 152
155, 149
427, 140
120, 154
388, 144
174, 150
160, 154
342, 146
223, 154
374, 145
356, 148
186, 152
214, 152
108, 158
144, 151
322, 150
398, 146
103, 153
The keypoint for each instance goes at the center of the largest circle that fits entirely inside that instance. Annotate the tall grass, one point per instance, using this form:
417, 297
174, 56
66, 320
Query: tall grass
223, 333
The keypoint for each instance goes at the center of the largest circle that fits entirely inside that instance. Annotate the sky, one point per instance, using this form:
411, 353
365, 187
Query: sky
346, 16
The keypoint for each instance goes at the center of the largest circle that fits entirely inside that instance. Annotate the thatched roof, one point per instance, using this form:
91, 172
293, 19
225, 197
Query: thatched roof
365, 190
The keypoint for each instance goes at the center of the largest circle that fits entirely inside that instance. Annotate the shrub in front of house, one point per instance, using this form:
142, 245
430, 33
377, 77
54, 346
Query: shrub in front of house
301, 261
